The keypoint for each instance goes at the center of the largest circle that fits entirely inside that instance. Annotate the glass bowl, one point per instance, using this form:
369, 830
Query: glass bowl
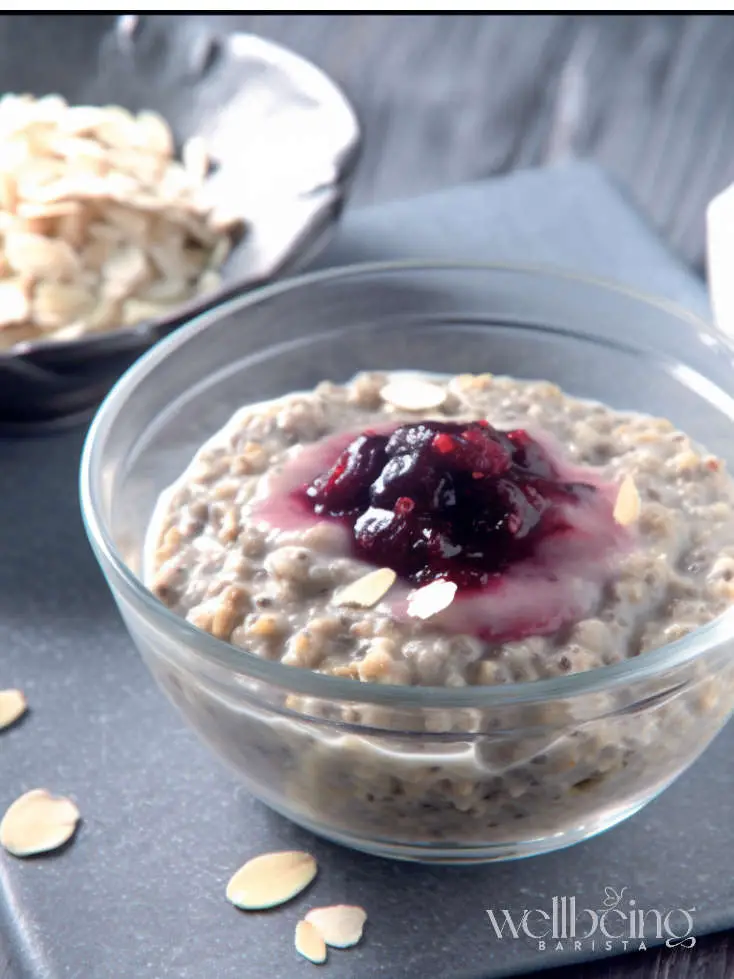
424, 773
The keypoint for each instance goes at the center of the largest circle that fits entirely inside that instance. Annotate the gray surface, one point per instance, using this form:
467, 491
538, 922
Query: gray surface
140, 892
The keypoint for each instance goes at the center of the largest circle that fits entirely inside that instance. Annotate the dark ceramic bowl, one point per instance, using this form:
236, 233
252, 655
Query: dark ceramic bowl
283, 138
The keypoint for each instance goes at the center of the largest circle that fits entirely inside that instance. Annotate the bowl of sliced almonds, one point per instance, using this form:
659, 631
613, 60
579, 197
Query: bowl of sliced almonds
162, 184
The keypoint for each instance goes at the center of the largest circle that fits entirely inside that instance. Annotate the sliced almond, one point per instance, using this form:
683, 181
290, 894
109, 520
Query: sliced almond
195, 158
154, 133
93, 202
56, 304
38, 822
367, 590
628, 505
271, 879
210, 281
13, 706
412, 394
309, 943
38, 256
124, 272
340, 925
431, 599
14, 304
8, 192
139, 310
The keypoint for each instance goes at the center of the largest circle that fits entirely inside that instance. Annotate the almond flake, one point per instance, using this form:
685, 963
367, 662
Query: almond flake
101, 225
431, 599
309, 943
195, 158
37, 256
627, 507
13, 706
367, 590
340, 925
271, 879
412, 394
14, 304
38, 822
155, 133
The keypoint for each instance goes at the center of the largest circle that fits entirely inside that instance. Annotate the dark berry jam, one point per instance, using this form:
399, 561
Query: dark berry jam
454, 500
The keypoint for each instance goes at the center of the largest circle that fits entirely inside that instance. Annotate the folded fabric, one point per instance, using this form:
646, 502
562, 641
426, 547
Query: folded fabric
570, 216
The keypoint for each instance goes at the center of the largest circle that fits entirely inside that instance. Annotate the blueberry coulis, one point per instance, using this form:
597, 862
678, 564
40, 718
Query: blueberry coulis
448, 500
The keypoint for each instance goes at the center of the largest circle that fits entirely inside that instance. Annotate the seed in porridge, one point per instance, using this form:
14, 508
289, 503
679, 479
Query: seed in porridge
271, 879
412, 394
367, 590
230, 611
628, 506
252, 458
376, 666
349, 671
310, 943
431, 599
38, 822
270, 625
302, 649
13, 706
340, 925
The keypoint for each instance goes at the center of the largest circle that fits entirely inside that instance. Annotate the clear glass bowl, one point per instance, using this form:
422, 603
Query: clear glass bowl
424, 773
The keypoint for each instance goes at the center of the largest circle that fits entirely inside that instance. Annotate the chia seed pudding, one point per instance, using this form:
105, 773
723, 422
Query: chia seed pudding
491, 506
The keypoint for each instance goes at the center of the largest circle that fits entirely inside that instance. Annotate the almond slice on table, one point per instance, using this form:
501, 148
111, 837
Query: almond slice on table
271, 879
367, 590
340, 925
628, 505
310, 943
38, 822
431, 599
13, 706
412, 394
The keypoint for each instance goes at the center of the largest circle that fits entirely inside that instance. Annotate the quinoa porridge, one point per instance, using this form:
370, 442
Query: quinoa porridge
490, 506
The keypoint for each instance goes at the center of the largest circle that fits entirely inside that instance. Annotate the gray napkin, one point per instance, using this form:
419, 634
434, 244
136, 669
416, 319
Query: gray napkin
570, 216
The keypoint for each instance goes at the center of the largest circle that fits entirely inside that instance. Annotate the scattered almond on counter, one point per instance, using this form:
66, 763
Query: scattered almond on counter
13, 706
271, 879
38, 822
340, 925
309, 942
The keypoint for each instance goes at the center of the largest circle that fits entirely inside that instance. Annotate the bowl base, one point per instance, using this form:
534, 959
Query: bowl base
458, 855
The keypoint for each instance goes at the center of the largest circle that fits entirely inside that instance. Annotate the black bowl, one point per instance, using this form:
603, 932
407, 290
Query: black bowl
283, 138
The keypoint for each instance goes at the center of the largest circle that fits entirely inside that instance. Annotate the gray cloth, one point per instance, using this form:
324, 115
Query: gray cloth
140, 893
569, 216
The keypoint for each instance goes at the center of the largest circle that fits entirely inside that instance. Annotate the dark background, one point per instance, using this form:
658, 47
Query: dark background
449, 98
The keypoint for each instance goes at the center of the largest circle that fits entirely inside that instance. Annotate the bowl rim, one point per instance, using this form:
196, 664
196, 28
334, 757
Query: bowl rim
604, 679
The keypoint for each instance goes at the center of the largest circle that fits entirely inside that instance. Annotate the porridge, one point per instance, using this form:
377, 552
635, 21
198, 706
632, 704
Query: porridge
469, 537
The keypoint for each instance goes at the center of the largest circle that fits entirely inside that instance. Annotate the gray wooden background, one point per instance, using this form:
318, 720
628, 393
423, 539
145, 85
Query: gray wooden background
446, 98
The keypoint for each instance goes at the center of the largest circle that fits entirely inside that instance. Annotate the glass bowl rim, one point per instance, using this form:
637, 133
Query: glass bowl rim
237, 661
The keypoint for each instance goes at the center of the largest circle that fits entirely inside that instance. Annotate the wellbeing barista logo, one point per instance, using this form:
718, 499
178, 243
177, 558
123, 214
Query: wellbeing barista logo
619, 924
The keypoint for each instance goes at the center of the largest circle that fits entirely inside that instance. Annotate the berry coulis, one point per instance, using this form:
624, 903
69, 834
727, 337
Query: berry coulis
529, 539
447, 500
